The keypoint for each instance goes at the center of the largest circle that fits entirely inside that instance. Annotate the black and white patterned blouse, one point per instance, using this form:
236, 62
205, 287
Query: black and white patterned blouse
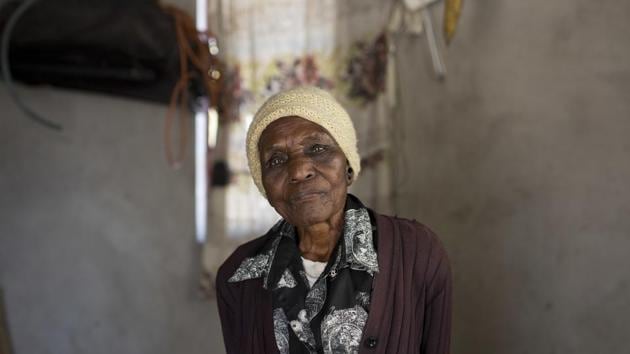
329, 316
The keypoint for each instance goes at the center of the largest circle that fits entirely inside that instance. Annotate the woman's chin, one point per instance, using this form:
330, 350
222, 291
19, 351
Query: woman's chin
309, 215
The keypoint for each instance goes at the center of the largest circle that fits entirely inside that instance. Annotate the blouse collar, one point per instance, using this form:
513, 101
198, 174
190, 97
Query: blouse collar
355, 249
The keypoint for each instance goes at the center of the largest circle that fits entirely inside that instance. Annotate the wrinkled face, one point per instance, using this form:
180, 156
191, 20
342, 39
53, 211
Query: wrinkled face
304, 172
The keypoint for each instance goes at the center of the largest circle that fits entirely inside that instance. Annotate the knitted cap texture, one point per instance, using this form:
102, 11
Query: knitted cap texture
310, 103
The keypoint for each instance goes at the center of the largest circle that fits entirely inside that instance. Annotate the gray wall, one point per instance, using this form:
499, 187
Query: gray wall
521, 162
96, 231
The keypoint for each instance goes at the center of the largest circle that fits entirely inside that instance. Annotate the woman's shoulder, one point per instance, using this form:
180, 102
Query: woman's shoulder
414, 235
415, 246
246, 250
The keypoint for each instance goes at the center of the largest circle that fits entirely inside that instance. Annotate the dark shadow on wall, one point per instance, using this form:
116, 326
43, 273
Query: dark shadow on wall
5, 335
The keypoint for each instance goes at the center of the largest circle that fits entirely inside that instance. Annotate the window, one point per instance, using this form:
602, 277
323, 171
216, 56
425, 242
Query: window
248, 213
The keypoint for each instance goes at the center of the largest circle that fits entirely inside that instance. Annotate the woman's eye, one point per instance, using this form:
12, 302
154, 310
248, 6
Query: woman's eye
318, 148
275, 161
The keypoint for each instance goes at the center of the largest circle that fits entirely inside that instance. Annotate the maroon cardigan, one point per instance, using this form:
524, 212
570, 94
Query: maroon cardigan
410, 309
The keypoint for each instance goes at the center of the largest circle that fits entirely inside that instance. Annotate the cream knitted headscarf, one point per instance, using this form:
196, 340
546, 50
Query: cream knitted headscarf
312, 104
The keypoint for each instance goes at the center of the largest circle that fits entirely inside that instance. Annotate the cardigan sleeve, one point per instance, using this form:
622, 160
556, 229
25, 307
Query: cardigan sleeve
436, 333
227, 304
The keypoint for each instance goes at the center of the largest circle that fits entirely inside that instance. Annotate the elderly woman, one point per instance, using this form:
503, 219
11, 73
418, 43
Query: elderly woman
332, 276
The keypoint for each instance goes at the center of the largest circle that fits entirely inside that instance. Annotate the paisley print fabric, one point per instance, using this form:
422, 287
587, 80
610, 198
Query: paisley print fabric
358, 239
287, 280
363, 299
315, 299
281, 331
251, 268
342, 330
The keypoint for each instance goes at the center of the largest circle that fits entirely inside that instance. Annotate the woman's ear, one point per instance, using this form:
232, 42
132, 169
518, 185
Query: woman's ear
349, 175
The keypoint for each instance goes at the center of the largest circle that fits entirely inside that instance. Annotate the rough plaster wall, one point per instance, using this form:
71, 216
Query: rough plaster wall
521, 162
96, 232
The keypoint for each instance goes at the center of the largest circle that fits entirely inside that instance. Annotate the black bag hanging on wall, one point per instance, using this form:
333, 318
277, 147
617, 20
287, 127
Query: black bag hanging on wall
126, 48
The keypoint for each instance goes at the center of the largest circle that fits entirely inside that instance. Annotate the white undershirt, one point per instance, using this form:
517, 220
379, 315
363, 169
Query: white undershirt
313, 270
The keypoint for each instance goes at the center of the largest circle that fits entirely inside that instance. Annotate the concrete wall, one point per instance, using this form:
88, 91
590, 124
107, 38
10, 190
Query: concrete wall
521, 162
96, 231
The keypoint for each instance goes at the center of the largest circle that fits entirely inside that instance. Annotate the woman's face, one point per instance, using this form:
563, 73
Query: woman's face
304, 172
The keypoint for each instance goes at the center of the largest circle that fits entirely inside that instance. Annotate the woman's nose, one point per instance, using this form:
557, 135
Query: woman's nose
300, 169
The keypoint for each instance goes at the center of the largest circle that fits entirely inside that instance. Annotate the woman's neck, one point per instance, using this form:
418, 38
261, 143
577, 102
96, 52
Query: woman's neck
318, 241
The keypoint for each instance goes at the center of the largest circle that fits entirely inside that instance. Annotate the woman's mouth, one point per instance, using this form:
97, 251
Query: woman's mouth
305, 196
